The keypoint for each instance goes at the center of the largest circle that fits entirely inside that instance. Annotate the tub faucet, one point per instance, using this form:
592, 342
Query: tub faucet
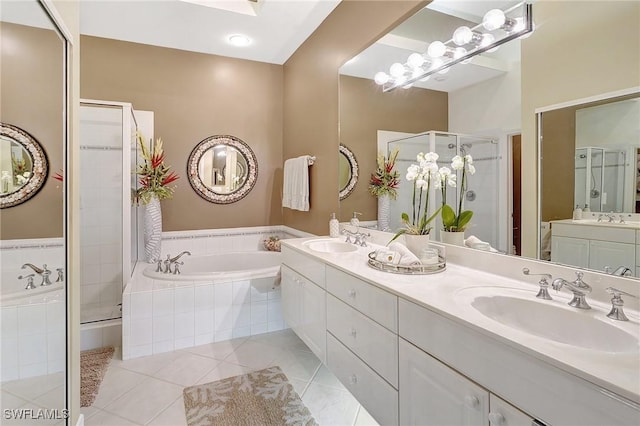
43, 272
173, 261
30, 285
621, 271
579, 288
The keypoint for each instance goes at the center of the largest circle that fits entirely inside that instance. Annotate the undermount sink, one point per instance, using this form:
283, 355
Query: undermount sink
550, 319
330, 246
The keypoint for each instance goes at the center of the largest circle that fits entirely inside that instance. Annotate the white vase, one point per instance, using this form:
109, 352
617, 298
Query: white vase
152, 229
384, 210
453, 238
415, 243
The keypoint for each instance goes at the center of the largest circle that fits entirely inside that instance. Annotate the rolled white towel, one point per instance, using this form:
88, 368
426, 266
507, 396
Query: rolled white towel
406, 257
476, 243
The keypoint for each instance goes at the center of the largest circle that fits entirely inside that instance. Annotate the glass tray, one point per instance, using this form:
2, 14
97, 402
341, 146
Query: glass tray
408, 269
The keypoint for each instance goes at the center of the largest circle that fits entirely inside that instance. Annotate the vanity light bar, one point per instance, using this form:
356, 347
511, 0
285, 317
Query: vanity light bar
446, 58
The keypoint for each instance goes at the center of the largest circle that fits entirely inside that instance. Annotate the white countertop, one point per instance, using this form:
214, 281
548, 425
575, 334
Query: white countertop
594, 222
443, 293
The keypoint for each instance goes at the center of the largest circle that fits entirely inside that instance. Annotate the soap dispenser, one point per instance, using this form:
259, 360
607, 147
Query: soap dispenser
586, 209
577, 213
334, 226
354, 220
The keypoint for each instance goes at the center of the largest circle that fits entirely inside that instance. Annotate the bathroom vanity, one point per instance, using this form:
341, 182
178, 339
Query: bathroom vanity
462, 347
600, 246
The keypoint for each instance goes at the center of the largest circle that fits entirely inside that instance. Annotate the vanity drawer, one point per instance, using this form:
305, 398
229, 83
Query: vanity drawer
370, 341
375, 394
305, 265
372, 301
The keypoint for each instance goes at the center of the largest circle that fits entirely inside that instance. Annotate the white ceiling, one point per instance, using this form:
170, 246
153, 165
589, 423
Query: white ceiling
277, 30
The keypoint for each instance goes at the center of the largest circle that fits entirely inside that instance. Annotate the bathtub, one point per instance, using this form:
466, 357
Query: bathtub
13, 290
224, 266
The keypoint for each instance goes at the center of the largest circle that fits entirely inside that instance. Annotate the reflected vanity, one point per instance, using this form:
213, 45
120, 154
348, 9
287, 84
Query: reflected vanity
222, 169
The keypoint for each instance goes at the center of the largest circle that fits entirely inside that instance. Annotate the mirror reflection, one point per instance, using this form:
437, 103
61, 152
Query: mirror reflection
33, 245
222, 169
348, 171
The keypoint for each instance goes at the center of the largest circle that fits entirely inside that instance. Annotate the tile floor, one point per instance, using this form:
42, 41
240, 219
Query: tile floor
148, 390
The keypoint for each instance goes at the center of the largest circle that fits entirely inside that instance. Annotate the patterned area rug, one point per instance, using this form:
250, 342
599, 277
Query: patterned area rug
263, 397
93, 365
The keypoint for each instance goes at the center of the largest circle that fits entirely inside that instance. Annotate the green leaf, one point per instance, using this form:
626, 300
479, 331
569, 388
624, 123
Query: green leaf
448, 216
464, 219
395, 237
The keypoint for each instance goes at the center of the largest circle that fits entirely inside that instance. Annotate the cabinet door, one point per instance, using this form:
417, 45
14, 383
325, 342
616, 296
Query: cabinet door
433, 394
313, 314
290, 293
501, 413
613, 255
570, 251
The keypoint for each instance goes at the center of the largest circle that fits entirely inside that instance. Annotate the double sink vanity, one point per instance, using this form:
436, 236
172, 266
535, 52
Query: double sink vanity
465, 346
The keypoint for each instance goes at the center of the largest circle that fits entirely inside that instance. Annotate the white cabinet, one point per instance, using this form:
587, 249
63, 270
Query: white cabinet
613, 255
501, 413
433, 394
570, 251
305, 310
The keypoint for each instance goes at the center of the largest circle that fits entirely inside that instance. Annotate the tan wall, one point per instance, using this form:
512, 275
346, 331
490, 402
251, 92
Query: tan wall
31, 68
311, 96
365, 109
558, 152
580, 49
194, 96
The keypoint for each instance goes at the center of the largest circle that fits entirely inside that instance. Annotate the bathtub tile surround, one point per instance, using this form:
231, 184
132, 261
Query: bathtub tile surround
32, 339
162, 315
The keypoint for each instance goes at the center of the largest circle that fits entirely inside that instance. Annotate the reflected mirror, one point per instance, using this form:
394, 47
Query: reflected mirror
222, 169
483, 98
33, 264
348, 171
23, 166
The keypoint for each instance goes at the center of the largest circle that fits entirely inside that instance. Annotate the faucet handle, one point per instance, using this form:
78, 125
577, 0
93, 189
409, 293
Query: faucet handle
543, 293
60, 275
527, 272
617, 303
30, 285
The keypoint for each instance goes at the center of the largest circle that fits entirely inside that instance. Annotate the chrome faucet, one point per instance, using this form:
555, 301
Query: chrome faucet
543, 293
359, 238
621, 271
43, 272
172, 261
617, 303
579, 288
30, 285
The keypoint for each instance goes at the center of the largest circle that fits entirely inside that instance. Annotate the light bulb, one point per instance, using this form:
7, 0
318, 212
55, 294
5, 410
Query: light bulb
397, 70
459, 52
493, 19
239, 40
381, 78
436, 49
415, 60
487, 39
462, 36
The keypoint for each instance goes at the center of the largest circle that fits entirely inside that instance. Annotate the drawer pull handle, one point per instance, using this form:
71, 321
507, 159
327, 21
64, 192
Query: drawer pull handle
352, 293
471, 401
353, 379
353, 333
496, 419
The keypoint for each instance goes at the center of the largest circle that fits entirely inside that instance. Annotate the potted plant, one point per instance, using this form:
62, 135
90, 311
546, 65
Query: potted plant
383, 185
155, 185
454, 222
417, 227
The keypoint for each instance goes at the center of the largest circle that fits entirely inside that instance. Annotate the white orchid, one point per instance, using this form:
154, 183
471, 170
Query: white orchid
457, 163
471, 169
412, 172
468, 159
431, 157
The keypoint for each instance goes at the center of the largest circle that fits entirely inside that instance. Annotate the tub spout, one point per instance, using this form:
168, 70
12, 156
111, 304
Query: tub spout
175, 259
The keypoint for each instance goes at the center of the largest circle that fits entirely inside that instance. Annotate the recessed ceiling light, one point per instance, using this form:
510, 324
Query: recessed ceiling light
239, 40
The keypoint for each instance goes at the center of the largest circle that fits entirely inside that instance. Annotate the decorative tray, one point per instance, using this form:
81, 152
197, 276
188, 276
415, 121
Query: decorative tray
440, 266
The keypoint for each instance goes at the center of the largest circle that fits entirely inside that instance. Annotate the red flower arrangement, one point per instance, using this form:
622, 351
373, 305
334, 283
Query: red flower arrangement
385, 180
155, 177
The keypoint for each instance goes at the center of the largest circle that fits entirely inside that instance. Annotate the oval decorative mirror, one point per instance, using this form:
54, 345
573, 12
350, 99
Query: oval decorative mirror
348, 171
222, 169
23, 166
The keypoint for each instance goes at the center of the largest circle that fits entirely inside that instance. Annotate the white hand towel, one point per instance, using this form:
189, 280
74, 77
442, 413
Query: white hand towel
476, 243
407, 258
295, 185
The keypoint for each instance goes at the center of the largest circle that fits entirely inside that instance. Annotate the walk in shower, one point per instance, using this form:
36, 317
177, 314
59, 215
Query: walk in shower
482, 195
107, 215
600, 179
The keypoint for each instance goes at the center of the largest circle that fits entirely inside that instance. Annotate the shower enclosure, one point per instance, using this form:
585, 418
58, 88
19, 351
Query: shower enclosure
599, 179
107, 216
482, 195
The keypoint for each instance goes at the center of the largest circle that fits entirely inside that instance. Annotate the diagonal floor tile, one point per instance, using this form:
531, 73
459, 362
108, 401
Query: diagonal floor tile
218, 350
186, 369
146, 364
224, 370
116, 382
174, 415
102, 418
330, 406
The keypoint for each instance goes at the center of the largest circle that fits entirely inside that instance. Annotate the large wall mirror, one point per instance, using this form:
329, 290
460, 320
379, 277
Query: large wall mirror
33, 143
483, 99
